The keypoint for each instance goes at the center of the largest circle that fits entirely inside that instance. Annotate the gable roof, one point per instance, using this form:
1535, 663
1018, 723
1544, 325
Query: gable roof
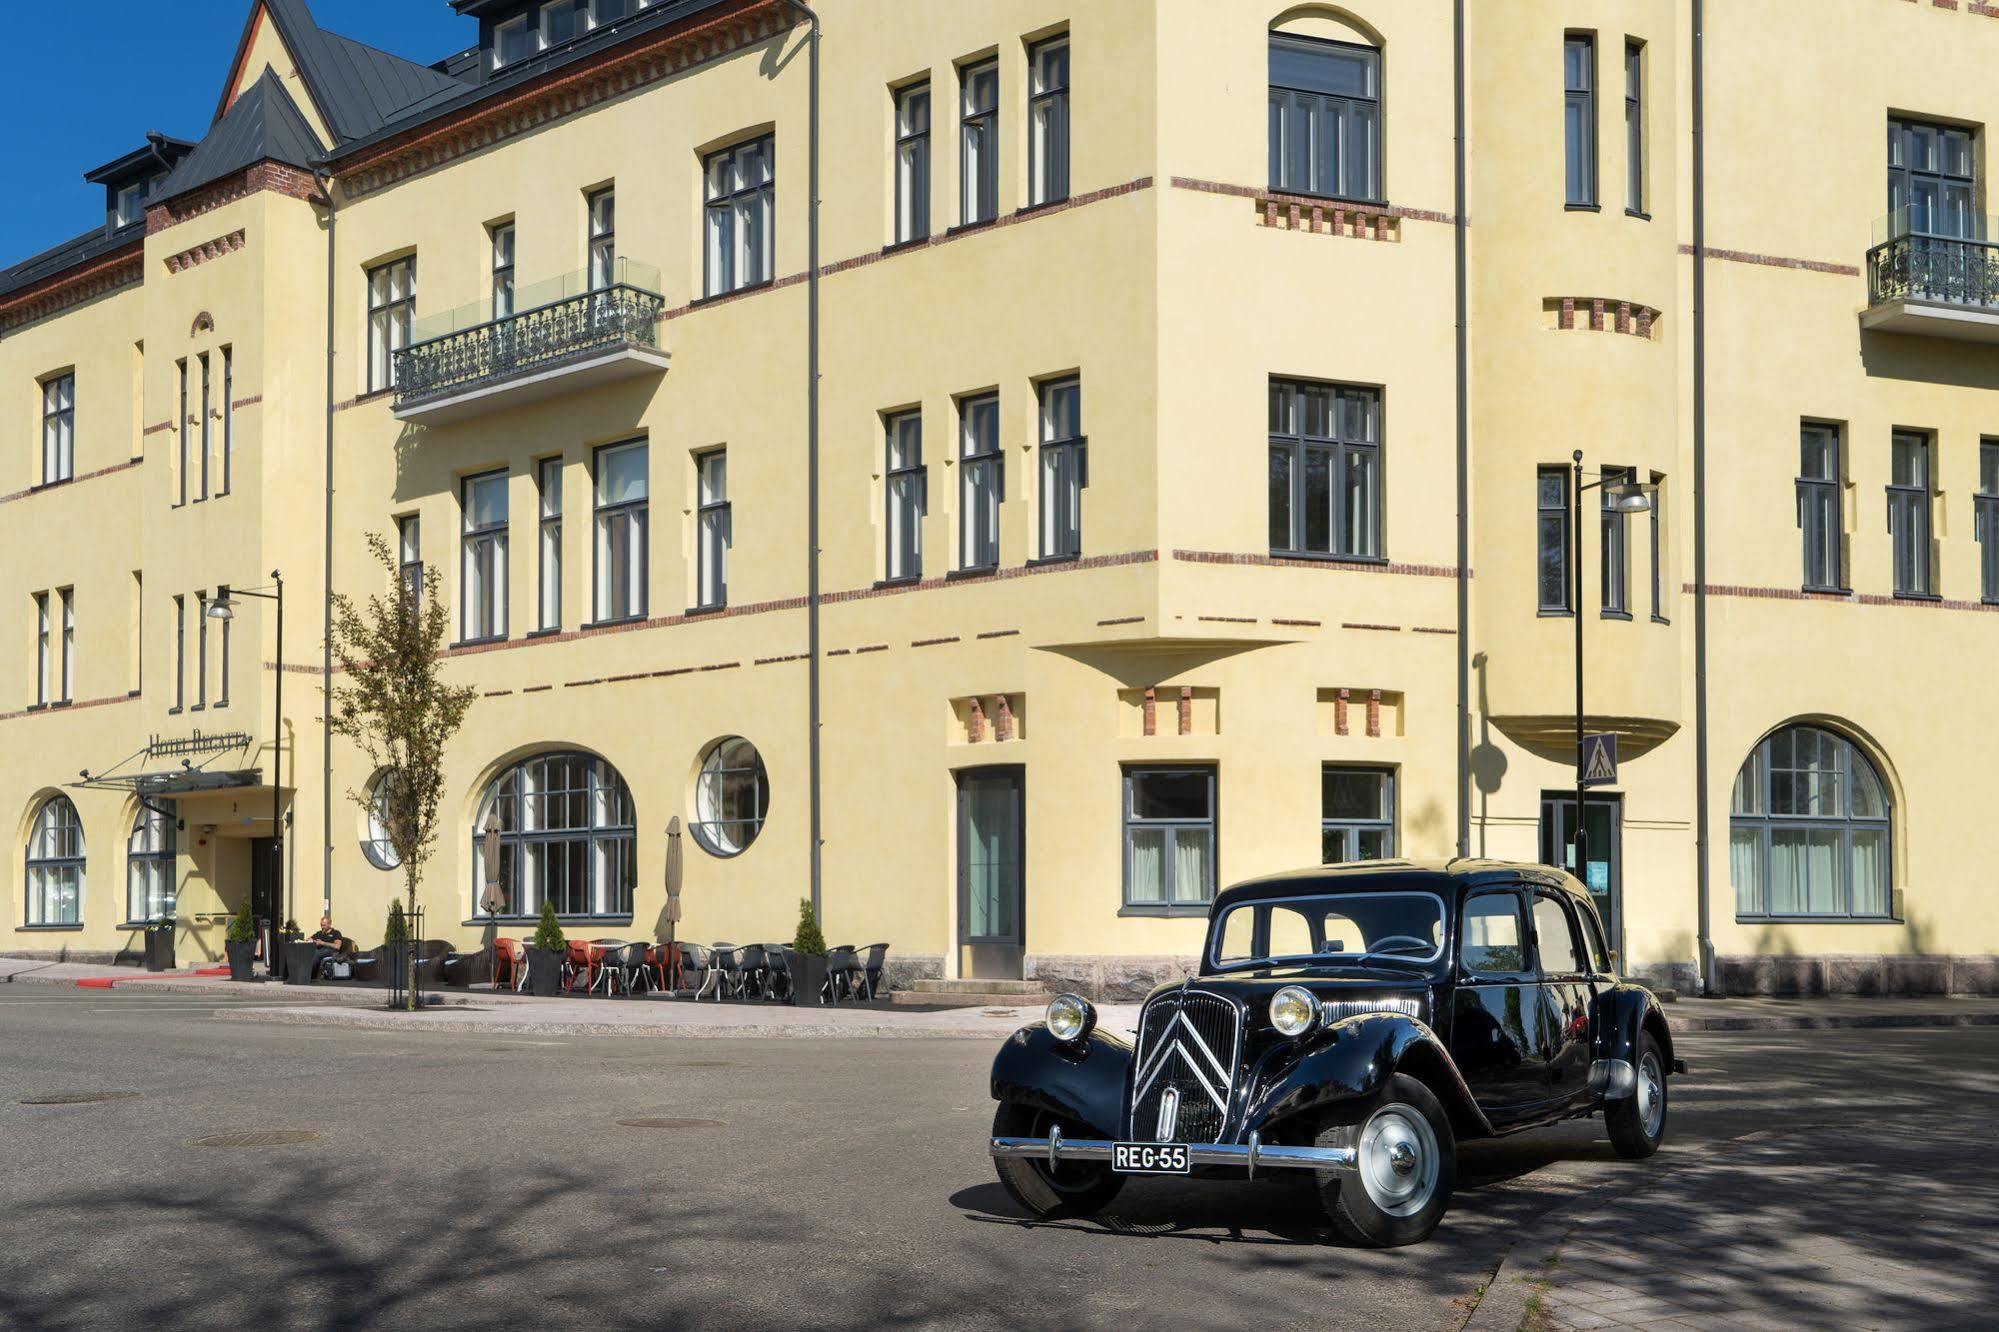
264, 124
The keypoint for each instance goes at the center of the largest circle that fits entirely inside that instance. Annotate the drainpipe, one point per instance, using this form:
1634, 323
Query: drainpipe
1464, 450
812, 458
325, 179
1704, 939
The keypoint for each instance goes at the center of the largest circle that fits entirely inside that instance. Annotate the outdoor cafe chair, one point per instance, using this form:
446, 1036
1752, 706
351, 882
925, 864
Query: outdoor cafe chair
607, 959
843, 966
724, 969
636, 964
510, 962
778, 976
874, 963
695, 961
755, 977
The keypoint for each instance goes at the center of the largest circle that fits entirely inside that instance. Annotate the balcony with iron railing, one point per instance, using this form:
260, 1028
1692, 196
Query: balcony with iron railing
1934, 277
553, 337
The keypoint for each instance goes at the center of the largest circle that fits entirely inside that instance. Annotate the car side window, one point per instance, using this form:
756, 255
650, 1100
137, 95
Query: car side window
1599, 955
1494, 934
1555, 936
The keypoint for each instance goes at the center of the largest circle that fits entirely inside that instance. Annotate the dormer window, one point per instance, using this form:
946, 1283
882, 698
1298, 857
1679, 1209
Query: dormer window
128, 204
552, 23
515, 40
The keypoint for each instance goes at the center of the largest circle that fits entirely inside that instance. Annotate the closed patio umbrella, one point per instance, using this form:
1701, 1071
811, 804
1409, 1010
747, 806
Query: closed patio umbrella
673, 871
489, 901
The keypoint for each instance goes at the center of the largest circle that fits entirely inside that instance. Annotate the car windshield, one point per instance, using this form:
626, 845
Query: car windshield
1332, 928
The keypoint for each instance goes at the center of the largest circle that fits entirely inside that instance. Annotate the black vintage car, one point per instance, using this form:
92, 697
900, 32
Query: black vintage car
1355, 1021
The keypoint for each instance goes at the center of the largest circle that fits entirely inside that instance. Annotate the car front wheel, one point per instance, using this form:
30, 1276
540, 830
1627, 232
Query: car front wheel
1068, 1189
1637, 1122
1406, 1167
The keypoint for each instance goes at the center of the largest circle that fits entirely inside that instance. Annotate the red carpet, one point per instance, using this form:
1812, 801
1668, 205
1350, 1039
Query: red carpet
106, 982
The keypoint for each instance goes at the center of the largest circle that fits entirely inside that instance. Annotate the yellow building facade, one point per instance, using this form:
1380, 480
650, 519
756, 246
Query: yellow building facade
1191, 450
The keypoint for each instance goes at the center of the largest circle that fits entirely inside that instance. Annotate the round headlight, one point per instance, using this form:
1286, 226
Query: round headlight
1293, 1010
1070, 1018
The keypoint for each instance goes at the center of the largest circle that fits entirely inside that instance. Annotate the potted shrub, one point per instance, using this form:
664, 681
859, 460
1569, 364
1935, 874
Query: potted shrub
240, 943
547, 951
395, 960
808, 956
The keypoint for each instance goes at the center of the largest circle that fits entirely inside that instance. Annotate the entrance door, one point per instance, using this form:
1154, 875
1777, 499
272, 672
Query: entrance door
992, 848
264, 904
1603, 850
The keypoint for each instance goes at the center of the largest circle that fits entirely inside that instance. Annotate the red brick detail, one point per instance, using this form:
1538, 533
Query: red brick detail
202, 253
250, 401
1186, 710
1374, 714
277, 177
1003, 723
1298, 624
73, 481
1624, 316
1378, 628
58, 709
1428, 629
776, 661
1596, 314
1604, 314
1322, 566
1122, 619
1151, 711
1227, 619
975, 722
496, 693
1000, 633
1568, 315
1778, 261
932, 642
1851, 598
1269, 199
59, 291
1340, 712
1645, 316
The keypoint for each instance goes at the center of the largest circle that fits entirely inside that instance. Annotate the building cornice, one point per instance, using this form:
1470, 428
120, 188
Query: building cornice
107, 273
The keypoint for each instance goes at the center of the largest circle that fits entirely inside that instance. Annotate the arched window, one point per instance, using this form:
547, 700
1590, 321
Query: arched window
567, 834
149, 865
1325, 114
730, 797
55, 864
1808, 829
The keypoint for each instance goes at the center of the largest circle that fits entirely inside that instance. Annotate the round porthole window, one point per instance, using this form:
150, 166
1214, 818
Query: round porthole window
731, 793
375, 843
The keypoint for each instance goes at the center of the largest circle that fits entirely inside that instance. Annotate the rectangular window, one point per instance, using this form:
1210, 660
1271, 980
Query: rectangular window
621, 501
1656, 520
180, 434
1356, 814
1985, 519
483, 577
1909, 512
67, 680
409, 556
138, 630
978, 154
1933, 181
201, 604
1819, 509
1552, 516
128, 205
603, 213
58, 429
1616, 590
1634, 127
1325, 470
180, 652
1325, 118
1169, 838
908, 493
912, 162
564, 21
1064, 468
981, 482
44, 650
207, 432
1579, 119
228, 418
548, 478
742, 204
1048, 121
516, 39
391, 311
715, 535
503, 270
222, 660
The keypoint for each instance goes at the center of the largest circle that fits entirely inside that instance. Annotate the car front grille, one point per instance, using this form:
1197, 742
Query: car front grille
1189, 1042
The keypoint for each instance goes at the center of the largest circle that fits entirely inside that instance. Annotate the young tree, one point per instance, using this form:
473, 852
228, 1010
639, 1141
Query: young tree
396, 707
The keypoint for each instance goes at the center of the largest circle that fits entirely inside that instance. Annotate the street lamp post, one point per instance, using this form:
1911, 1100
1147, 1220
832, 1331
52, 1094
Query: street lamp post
224, 608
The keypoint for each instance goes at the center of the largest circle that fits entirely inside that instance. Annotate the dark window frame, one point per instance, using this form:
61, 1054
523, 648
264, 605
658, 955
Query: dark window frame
740, 220
1170, 903
979, 527
150, 853
66, 629
44, 652
600, 218
978, 138
501, 240
1821, 505
1985, 519
1357, 119
1656, 521
409, 557
1580, 157
603, 895
222, 651
485, 546
1064, 472
70, 852
201, 604
207, 419
711, 833
1351, 829
59, 428
1942, 184
180, 652
1756, 786
1048, 124
1911, 530
633, 519
1634, 127
180, 434
714, 533
228, 419
1614, 554
1343, 448
1557, 521
912, 163
906, 495
548, 480
390, 318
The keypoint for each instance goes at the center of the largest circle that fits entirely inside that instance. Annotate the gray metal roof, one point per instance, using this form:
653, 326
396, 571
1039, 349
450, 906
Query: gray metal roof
70, 254
264, 124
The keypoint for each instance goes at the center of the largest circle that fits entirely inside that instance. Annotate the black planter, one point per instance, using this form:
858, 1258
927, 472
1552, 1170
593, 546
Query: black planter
545, 970
160, 947
392, 965
808, 976
240, 956
299, 958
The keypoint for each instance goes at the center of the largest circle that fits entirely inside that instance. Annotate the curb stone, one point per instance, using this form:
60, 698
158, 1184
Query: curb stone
440, 1019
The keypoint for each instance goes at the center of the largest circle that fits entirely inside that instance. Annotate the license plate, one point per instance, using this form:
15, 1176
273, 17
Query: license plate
1149, 1158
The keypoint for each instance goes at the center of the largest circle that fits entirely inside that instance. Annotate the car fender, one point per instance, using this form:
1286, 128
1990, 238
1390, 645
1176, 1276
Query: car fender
1623, 1012
1350, 1061
1083, 1081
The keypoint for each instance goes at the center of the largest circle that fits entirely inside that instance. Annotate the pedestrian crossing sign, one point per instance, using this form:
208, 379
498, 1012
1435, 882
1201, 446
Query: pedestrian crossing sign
1596, 760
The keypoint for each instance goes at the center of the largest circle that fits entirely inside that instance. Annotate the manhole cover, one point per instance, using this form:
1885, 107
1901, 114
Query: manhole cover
671, 1123
260, 1138
77, 1098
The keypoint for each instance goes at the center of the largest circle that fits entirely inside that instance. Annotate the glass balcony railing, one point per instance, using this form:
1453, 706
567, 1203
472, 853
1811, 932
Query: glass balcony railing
1920, 255
550, 323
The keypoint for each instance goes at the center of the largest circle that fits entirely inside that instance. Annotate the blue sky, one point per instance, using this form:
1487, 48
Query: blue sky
155, 64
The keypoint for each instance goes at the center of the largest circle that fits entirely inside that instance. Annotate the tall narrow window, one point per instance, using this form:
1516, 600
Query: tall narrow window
712, 518
1325, 118
483, 582
1819, 517
228, 418
978, 125
622, 493
180, 653
58, 429
1986, 519
742, 205
603, 207
1325, 470
181, 435
1048, 121
907, 491
1909, 512
1656, 521
1932, 181
409, 556
981, 482
138, 630
1634, 127
1064, 468
1616, 545
67, 681
1579, 119
503, 270
222, 659
391, 311
44, 651
912, 162
201, 604
1552, 537
207, 430
1356, 814
1169, 838
150, 890
548, 477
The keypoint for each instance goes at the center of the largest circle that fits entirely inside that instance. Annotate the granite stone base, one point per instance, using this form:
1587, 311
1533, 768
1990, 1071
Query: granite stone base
1858, 974
900, 970
96, 957
1107, 979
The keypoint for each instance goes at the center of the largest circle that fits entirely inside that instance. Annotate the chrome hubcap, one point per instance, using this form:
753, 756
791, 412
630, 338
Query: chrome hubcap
1399, 1160
1651, 1096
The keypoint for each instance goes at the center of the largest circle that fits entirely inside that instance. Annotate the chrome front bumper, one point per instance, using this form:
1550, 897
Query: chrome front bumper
1251, 1156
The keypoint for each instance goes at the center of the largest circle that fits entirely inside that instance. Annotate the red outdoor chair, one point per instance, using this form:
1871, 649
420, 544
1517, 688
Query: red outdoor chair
509, 961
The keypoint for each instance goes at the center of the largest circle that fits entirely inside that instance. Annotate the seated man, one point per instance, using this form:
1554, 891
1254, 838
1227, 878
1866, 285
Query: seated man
331, 943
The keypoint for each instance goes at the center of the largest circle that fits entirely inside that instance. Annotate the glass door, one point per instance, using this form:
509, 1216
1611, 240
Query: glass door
991, 853
1603, 854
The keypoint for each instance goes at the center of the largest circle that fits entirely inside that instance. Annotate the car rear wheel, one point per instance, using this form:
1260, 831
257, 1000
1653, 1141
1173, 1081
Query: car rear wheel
1068, 1189
1407, 1165
1637, 1122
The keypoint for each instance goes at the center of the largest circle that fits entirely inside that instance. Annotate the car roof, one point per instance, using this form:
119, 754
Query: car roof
1439, 876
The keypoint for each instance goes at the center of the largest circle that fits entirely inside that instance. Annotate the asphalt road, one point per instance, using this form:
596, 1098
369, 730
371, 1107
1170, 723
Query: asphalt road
444, 1180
